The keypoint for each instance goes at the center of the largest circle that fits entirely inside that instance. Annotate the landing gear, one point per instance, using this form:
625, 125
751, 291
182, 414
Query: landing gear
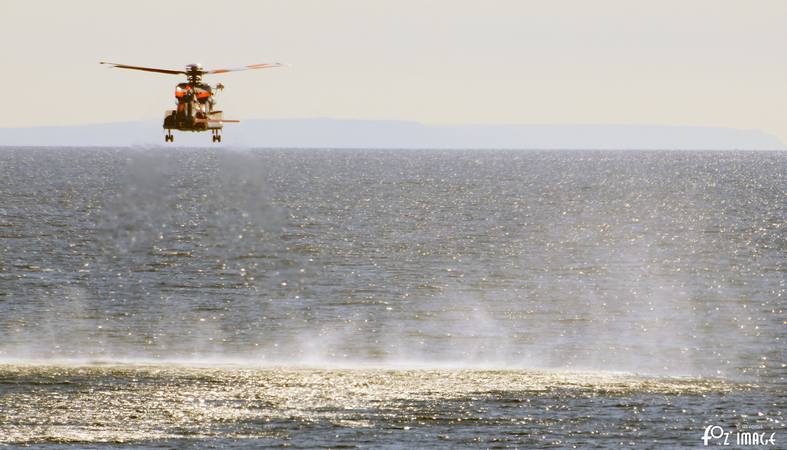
216, 136
169, 137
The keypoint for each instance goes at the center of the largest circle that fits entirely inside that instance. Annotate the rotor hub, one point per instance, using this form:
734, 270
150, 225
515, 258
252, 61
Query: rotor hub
194, 72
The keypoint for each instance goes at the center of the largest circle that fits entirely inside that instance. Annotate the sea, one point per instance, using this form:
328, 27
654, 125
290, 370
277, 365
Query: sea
193, 298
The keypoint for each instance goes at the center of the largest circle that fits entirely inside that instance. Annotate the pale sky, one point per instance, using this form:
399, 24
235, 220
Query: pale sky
661, 62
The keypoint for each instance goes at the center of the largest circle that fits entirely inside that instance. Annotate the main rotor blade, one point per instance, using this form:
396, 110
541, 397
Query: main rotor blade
146, 69
249, 67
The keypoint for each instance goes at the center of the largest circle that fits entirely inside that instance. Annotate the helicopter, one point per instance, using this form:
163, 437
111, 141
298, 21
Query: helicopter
195, 101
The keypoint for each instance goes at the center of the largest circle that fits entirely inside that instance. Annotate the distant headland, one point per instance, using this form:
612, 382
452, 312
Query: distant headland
348, 133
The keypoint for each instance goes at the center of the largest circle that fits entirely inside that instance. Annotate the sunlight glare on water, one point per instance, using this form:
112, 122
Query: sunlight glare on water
445, 298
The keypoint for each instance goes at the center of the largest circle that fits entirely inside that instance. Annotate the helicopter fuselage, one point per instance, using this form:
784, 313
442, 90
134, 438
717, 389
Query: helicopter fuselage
194, 111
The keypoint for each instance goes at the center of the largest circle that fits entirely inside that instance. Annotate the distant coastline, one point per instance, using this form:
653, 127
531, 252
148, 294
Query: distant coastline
347, 133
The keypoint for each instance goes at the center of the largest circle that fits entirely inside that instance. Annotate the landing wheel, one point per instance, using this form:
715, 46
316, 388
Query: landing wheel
169, 137
216, 136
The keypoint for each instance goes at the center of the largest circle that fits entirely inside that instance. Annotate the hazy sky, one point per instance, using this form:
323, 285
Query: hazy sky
665, 62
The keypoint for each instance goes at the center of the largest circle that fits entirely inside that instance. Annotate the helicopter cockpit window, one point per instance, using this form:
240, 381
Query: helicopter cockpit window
201, 92
182, 90
202, 95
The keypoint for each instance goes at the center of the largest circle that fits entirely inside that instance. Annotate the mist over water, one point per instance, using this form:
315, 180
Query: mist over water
662, 263
201, 298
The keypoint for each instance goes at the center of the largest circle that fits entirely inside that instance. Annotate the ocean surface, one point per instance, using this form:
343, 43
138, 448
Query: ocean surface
219, 298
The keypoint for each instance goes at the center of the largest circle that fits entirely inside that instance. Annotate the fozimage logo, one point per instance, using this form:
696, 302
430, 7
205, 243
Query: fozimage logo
716, 435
